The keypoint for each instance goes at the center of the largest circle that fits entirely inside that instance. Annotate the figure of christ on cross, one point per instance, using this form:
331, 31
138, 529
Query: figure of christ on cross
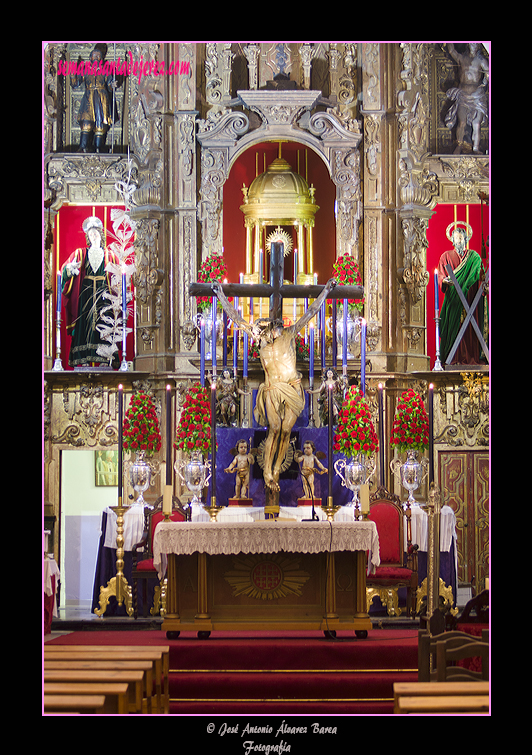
280, 398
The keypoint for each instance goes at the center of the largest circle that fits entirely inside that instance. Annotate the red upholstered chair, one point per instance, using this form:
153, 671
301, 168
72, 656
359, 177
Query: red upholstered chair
387, 512
143, 568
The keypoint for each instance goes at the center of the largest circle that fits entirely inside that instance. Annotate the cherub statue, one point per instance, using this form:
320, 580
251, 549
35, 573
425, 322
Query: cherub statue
242, 463
309, 463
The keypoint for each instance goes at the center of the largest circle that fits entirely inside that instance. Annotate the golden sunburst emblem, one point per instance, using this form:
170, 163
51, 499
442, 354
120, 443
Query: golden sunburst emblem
266, 576
283, 237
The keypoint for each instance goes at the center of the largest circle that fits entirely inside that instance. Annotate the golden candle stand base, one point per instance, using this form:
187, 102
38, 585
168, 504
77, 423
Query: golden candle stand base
213, 511
117, 585
330, 509
445, 592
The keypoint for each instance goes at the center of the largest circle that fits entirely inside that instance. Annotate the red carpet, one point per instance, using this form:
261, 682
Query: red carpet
275, 673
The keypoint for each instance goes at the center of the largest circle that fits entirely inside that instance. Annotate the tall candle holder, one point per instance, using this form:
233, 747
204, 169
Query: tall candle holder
118, 585
244, 422
437, 364
58, 364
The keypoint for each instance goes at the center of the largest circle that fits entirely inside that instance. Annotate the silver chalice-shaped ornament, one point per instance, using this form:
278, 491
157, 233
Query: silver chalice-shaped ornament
354, 473
411, 473
195, 473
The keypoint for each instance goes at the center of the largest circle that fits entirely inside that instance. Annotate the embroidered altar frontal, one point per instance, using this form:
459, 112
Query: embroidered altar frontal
262, 575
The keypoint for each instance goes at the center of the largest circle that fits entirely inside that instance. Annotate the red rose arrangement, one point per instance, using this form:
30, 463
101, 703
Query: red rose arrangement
410, 430
211, 269
140, 428
194, 429
302, 348
346, 272
355, 433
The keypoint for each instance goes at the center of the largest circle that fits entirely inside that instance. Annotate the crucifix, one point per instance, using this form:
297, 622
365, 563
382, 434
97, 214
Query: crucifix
280, 398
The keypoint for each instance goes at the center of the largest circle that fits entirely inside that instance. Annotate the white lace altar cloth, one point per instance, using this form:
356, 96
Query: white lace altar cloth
270, 536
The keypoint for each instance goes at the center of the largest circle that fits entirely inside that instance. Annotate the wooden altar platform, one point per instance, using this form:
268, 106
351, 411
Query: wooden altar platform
277, 575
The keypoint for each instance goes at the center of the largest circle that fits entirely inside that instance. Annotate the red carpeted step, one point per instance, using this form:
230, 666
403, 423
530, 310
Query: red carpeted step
376, 684
283, 707
231, 673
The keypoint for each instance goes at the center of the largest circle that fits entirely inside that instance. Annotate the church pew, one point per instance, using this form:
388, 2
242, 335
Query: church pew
160, 655
116, 693
133, 678
437, 689
450, 704
61, 704
54, 661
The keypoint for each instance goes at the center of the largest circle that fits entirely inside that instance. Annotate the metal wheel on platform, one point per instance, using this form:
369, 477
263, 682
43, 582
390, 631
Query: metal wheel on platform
172, 635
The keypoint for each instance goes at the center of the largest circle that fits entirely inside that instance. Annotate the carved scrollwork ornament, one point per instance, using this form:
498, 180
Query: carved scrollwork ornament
414, 273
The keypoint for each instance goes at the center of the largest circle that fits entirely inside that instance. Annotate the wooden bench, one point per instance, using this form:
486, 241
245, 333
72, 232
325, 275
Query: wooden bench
103, 661
430, 697
450, 704
158, 654
133, 678
116, 694
61, 704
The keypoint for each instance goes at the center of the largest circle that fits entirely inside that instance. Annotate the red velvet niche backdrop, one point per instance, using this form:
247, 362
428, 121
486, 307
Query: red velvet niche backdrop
438, 243
255, 161
69, 236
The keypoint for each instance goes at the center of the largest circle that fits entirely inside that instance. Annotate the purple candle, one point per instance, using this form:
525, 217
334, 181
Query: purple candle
311, 352
245, 348
323, 334
436, 294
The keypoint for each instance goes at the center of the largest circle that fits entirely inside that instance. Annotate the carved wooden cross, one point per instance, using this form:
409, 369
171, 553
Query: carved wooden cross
275, 289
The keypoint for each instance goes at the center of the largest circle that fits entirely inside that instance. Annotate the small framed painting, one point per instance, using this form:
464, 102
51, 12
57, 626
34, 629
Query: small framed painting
106, 468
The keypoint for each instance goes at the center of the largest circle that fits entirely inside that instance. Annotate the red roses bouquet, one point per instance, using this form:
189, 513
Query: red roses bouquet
211, 269
346, 272
194, 429
410, 430
140, 428
355, 433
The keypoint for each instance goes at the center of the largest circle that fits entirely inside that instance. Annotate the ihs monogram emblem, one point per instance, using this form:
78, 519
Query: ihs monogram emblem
266, 576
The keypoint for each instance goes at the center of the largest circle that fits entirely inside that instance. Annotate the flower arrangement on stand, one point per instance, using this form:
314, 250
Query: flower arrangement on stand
194, 429
410, 430
212, 269
410, 433
355, 433
141, 435
193, 438
302, 348
347, 273
140, 429
357, 440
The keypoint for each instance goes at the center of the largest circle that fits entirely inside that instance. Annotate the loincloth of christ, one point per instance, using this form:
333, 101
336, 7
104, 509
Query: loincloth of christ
282, 395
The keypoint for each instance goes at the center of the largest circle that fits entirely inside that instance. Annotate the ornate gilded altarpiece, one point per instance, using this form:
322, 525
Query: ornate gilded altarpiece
373, 113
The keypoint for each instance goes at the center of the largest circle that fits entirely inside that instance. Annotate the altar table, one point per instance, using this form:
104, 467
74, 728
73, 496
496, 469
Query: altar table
266, 575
